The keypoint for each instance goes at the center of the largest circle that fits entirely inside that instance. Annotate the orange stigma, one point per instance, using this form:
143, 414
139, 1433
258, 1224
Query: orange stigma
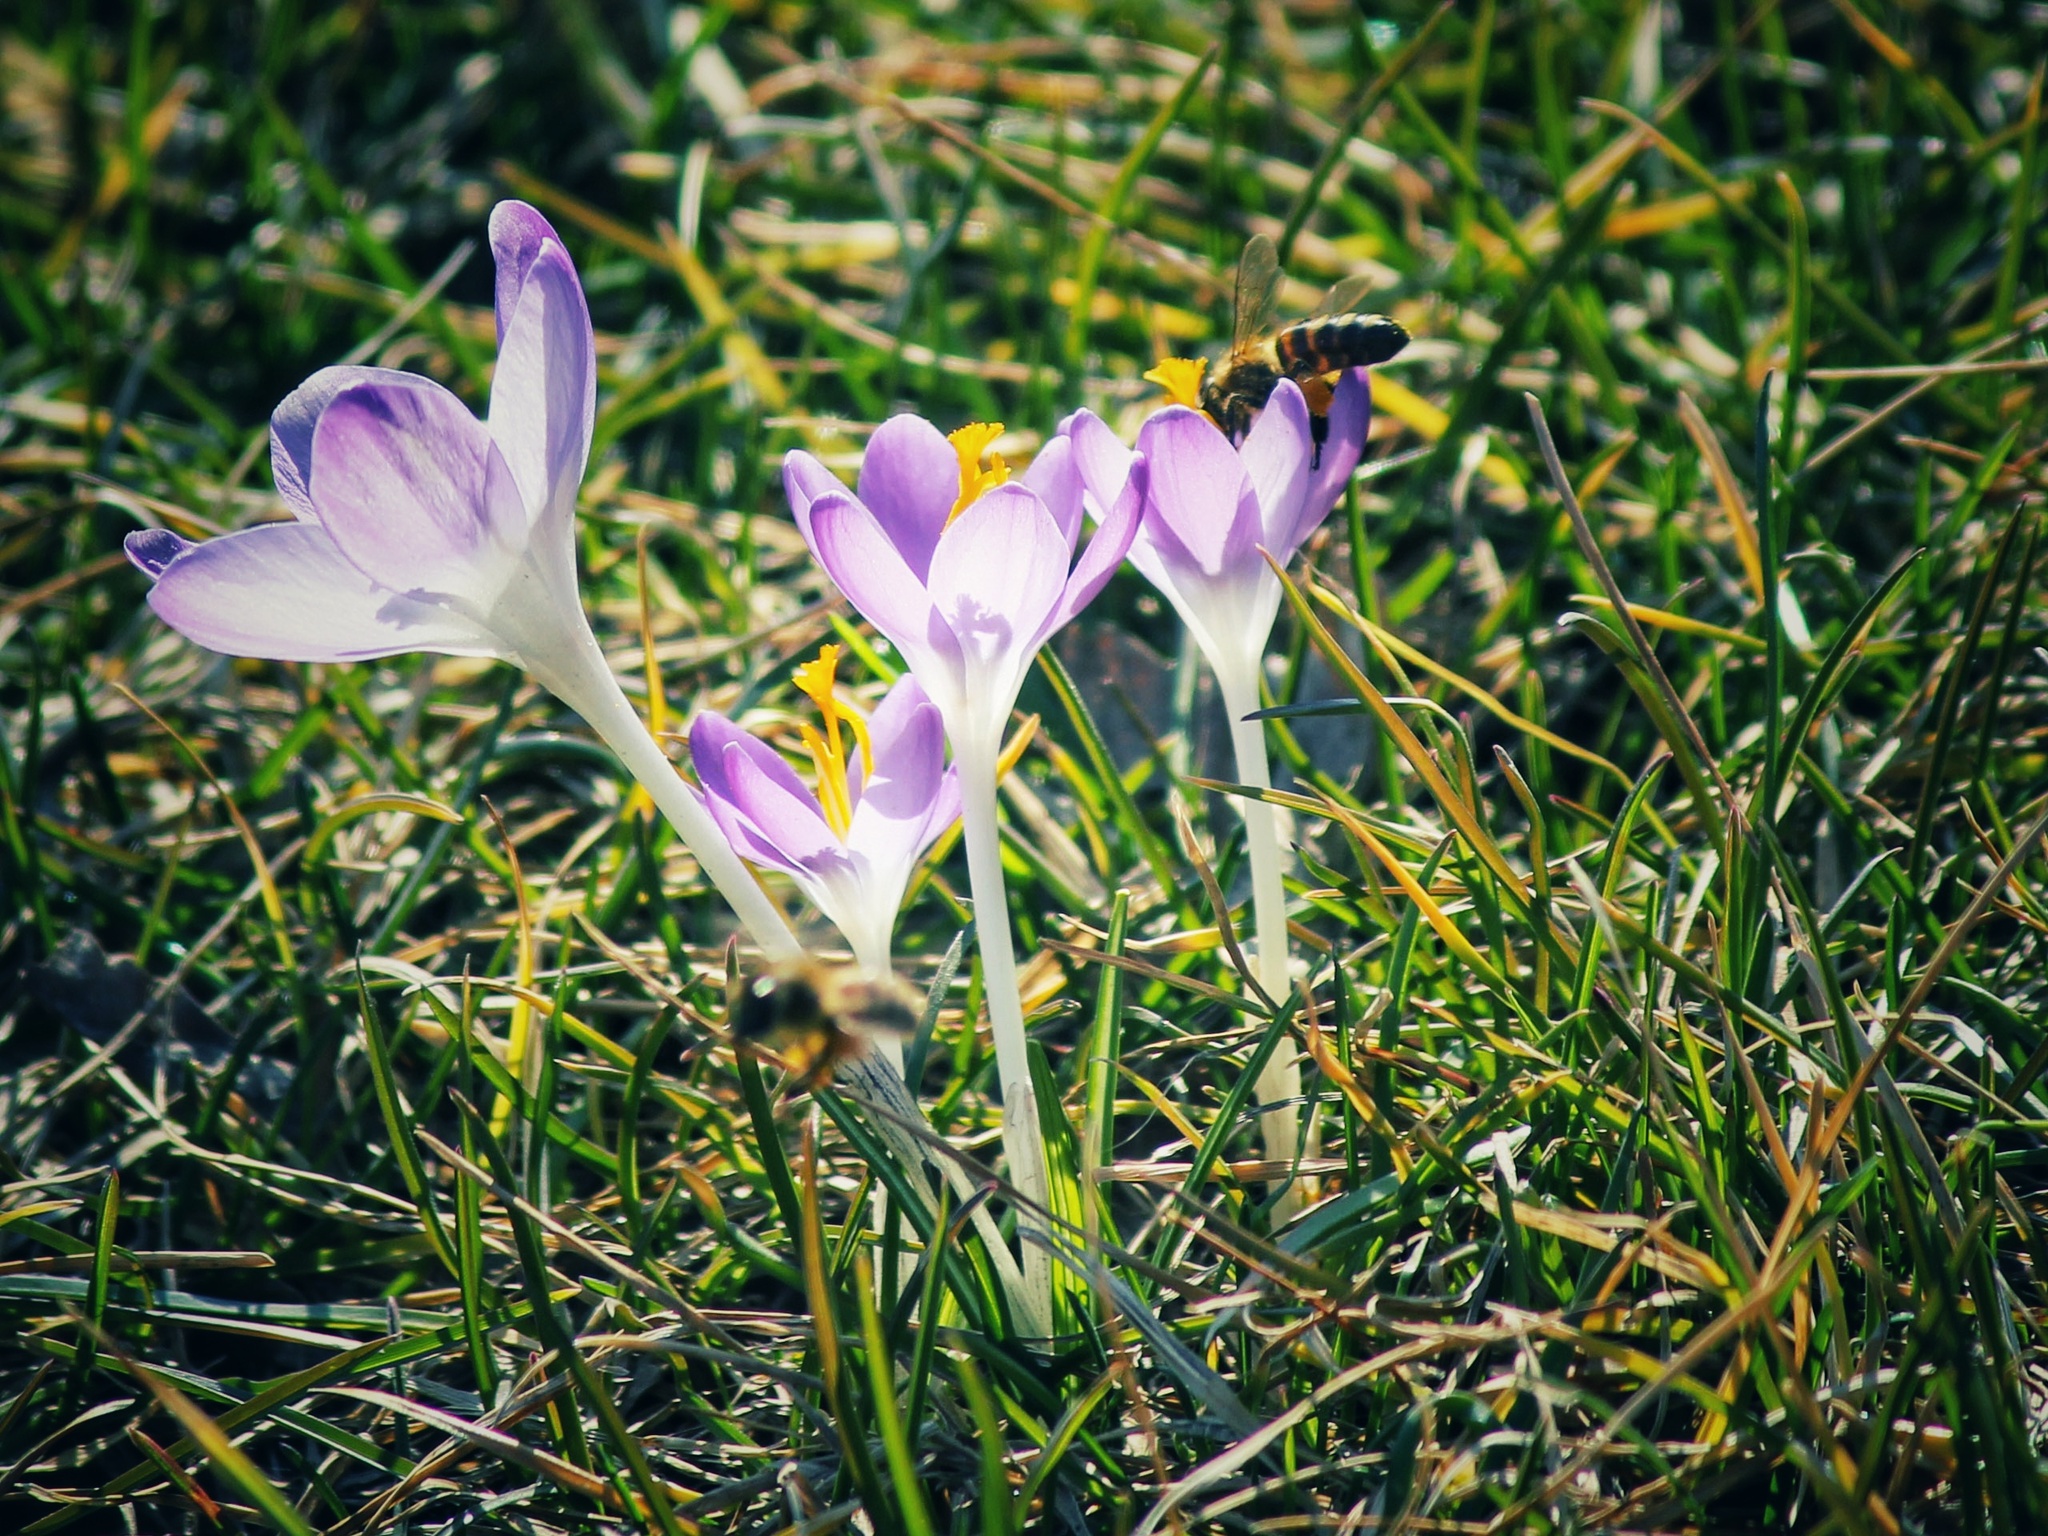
815, 679
970, 443
1181, 378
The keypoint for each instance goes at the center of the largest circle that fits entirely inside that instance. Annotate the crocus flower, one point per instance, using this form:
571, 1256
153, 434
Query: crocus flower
967, 573
851, 844
416, 527
1210, 505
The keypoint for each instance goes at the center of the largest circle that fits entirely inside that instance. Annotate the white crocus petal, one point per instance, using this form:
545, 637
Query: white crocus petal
284, 592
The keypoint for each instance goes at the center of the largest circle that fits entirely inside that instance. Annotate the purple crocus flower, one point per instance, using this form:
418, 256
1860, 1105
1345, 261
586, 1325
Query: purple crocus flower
417, 527
1210, 506
850, 844
968, 573
965, 571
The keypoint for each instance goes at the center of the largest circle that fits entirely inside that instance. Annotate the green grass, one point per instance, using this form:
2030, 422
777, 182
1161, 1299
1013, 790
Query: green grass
1669, 879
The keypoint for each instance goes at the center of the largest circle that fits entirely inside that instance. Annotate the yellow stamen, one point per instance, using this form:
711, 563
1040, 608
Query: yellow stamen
834, 799
1181, 378
970, 443
815, 679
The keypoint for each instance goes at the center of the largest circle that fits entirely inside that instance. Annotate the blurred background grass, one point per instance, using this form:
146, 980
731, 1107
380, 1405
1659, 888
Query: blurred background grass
1681, 1121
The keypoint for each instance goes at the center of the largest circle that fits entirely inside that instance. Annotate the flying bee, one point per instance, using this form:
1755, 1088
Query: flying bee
1308, 351
815, 1014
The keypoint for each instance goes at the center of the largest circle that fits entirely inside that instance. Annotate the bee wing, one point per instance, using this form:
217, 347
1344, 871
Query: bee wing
1345, 295
1258, 285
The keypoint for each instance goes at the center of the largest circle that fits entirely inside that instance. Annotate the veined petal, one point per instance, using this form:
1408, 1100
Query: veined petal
1115, 537
804, 480
785, 827
1101, 459
402, 479
284, 592
867, 566
1350, 416
711, 734
1201, 508
1229, 615
1275, 454
1056, 480
910, 478
997, 575
151, 550
544, 392
293, 422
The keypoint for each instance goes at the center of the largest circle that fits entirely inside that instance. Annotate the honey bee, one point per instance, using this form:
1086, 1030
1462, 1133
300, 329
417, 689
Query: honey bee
1307, 351
815, 1014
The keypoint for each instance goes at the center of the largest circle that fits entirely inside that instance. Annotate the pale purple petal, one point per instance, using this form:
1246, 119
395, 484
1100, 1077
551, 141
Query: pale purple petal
910, 757
919, 756
1056, 480
544, 391
1350, 416
862, 562
1202, 510
943, 811
284, 592
912, 795
790, 822
402, 479
998, 575
517, 231
1100, 457
804, 480
712, 733
910, 478
293, 422
1275, 454
1114, 538
764, 809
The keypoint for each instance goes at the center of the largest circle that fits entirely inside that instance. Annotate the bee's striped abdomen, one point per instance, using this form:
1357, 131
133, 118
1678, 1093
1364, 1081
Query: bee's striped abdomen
1330, 342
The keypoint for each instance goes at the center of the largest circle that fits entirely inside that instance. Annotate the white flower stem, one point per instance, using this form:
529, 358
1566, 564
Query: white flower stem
1280, 1082
1022, 1142
580, 677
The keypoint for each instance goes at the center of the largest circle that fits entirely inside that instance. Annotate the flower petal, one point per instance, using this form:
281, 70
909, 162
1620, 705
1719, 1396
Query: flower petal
401, 478
1056, 480
150, 550
711, 734
804, 480
1350, 416
865, 565
910, 760
1275, 454
283, 591
1102, 459
785, 819
1114, 538
293, 422
910, 478
997, 576
544, 392
1202, 509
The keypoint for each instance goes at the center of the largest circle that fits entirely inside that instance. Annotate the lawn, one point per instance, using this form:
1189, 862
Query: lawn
1631, 1113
